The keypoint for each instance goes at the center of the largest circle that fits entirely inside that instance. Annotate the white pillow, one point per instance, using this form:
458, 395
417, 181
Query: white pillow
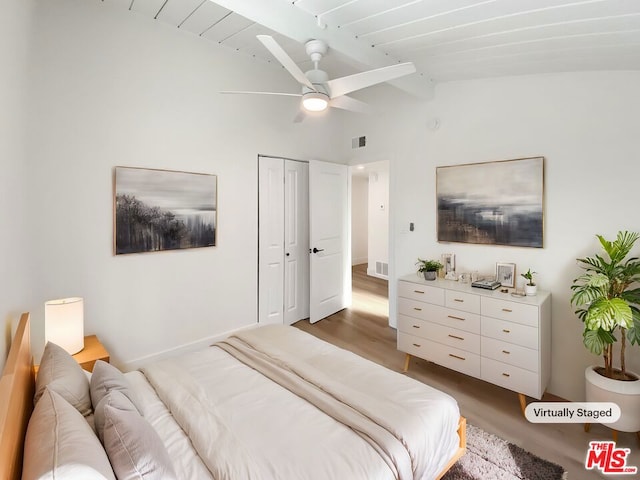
135, 450
61, 373
105, 378
116, 399
60, 444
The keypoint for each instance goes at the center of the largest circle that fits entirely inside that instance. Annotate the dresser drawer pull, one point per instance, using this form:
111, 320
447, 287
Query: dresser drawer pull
417, 309
506, 331
418, 291
456, 337
456, 356
508, 310
416, 326
458, 300
455, 318
506, 352
416, 345
506, 375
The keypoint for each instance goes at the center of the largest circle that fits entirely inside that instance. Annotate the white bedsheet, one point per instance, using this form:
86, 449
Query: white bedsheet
286, 437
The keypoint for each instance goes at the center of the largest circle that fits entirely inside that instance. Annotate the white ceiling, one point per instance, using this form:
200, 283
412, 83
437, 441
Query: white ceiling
445, 39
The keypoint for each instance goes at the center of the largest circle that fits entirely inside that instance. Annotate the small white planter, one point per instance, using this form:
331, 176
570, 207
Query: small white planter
530, 290
625, 394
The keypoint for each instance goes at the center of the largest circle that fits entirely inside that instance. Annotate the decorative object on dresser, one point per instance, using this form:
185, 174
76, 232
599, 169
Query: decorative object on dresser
530, 288
506, 274
497, 203
448, 261
163, 210
608, 299
429, 268
482, 333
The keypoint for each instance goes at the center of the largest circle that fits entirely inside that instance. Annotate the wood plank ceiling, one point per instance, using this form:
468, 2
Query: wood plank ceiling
446, 39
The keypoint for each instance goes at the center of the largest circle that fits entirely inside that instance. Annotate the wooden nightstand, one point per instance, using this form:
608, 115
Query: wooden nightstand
87, 357
93, 351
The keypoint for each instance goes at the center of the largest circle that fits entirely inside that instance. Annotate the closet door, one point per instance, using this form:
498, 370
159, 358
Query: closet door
296, 241
271, 240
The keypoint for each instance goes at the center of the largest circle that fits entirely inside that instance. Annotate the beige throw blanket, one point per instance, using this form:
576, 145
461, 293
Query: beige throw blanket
333, 398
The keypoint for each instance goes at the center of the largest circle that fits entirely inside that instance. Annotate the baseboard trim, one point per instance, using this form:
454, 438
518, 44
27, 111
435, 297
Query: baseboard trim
372, 273
172, 352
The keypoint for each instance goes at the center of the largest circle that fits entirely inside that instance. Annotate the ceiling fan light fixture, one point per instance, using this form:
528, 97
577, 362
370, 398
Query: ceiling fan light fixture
315, 101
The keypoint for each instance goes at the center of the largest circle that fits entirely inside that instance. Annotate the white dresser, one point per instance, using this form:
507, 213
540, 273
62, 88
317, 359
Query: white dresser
486, 334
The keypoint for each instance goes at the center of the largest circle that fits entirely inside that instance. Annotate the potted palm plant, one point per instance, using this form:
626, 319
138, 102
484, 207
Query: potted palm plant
607, 297
429, 268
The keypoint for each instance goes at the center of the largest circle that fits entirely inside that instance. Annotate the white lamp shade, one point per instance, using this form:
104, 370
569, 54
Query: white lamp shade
64, 323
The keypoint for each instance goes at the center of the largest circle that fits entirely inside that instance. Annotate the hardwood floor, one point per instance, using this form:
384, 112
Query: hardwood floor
363, 328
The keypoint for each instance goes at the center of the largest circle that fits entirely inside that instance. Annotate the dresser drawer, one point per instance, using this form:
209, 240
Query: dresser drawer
514, 378
422, 293
509, 332
462, 301
469, 322
450, 357
511, 311
440, 333
511, 354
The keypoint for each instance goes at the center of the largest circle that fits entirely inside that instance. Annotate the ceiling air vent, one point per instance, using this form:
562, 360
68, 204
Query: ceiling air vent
358, 142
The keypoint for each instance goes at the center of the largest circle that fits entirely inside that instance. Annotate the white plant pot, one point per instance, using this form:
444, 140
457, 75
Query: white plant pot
625, 394
530, 290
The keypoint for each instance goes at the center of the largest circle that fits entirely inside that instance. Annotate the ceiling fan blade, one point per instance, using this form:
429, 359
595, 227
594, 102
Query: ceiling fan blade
351, 83
233, 92
286, 61
349, 103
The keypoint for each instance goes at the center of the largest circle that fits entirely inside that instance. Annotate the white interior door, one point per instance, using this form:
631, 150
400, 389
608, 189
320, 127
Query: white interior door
271, 244
329, 205
296, 241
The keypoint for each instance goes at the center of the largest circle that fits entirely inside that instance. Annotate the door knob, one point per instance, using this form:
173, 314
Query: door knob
316, 250
287, 254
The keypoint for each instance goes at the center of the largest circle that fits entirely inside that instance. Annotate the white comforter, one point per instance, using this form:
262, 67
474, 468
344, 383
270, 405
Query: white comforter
244, 426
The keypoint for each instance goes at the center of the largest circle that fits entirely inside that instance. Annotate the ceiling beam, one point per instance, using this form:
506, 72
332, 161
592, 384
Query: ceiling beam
285, 18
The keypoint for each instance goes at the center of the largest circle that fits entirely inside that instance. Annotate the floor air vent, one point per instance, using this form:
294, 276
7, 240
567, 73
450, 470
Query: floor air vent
382, 268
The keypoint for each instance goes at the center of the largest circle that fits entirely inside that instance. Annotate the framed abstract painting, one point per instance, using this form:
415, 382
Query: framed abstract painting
157, 210
499, 203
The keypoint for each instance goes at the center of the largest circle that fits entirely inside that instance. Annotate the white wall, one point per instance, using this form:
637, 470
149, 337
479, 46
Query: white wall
378, 215
15, 266
585, 125
113, 88
359, 219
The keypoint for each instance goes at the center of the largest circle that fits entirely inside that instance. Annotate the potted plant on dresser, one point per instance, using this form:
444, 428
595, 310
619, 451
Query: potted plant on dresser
607, 298
429, 268
530, 288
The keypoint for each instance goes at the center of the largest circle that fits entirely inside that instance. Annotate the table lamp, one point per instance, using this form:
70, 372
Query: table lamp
64, 323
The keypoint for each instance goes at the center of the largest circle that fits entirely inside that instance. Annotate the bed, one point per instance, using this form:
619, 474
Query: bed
271, 402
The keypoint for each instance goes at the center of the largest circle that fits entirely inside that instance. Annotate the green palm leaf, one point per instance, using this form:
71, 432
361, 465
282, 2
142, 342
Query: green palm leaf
608, 314
597, 340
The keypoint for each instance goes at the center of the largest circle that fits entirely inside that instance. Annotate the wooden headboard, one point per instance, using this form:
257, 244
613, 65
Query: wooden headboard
16, 401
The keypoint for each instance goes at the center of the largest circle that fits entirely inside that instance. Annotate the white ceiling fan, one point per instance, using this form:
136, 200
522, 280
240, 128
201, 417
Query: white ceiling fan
318, 92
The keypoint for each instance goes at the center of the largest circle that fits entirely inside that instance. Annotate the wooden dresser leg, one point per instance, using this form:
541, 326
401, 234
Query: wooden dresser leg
406, 362
523, 402
587, 427
615, 435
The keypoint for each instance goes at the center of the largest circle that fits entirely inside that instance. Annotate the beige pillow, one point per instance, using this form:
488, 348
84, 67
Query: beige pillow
60, 444
116, 399
134, 448
105, 378
61, 373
